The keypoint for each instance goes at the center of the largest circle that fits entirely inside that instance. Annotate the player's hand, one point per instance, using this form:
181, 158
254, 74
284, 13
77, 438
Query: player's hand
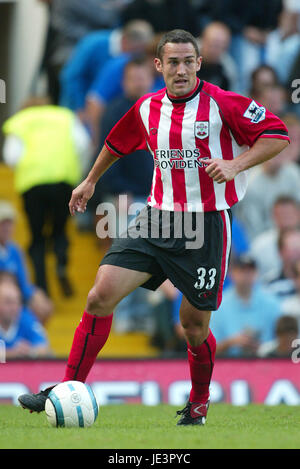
220, 170
80, 197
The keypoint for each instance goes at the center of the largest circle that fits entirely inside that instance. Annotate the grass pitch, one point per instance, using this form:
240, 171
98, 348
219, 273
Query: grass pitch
130, 426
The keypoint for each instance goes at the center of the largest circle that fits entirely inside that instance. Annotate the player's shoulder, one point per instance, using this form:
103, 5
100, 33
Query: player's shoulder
219, 94
156, 95
230, 104
144, 100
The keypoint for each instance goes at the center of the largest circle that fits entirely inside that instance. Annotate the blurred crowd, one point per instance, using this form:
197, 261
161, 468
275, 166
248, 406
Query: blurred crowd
97, 61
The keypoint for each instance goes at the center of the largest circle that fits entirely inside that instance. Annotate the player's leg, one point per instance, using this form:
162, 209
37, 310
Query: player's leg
201, 355
111, 285
195, 323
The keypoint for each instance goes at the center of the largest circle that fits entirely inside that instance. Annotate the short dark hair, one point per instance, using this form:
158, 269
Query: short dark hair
287, 324
177, 36
286, 199
266, 67
6, 276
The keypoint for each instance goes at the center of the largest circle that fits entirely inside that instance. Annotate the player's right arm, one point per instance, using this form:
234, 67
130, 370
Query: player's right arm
82, 194
125, 137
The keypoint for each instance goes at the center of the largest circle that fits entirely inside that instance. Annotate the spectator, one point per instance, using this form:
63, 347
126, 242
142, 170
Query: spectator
250, 26
282, 283
291, 305
273, 179
48, 147
90, 57
286, 331
292, 152
12, 262
247, 315
274, 98
23, 335
70, 21
108, 83
218, 66
264, 248
262, 76
262, 16
283, 45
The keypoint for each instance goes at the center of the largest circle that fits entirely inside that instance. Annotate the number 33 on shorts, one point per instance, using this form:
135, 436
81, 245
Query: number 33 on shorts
206, 278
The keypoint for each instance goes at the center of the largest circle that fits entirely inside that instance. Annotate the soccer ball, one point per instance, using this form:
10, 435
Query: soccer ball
71, 404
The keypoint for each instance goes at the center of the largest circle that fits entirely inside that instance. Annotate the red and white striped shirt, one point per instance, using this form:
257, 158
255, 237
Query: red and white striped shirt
207, 123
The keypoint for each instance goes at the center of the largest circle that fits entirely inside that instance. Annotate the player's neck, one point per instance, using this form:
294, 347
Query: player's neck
186, 96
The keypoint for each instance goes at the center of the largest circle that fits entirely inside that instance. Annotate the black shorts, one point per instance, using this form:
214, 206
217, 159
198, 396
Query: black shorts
198, 272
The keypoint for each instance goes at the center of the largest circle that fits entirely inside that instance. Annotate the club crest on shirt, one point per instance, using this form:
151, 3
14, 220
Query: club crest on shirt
201, 129
255, 112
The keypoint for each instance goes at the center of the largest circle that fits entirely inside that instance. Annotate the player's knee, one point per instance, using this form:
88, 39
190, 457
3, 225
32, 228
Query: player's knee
99, 302
195, 331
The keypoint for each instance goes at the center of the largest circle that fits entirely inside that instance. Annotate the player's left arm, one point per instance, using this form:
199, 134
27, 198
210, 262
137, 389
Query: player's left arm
225, 170
250, 124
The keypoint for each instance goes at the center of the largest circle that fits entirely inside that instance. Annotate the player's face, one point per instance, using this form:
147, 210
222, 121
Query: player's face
179, 66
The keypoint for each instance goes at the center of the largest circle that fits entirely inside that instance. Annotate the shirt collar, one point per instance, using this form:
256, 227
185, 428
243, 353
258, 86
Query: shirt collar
187, 97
